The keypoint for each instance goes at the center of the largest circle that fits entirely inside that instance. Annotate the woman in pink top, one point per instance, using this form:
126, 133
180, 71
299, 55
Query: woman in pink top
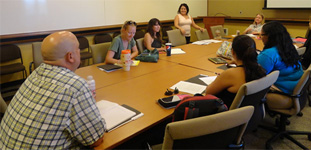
183, 22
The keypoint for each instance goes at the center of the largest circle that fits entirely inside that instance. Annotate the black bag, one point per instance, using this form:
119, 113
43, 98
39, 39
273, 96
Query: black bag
148, 56
198, 106
171, 101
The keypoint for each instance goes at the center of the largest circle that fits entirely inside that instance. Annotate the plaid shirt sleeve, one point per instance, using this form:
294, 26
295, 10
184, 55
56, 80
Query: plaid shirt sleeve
85, 121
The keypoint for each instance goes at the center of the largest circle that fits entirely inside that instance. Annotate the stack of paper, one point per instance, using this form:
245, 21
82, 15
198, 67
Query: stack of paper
194, 88
205, 42
177, 51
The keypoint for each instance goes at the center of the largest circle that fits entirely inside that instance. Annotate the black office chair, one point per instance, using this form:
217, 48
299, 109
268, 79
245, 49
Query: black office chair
116, 34
84, 44
102, 38
139, 34
164, 33
9, 53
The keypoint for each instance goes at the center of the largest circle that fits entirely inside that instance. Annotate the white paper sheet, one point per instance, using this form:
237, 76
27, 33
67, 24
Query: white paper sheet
208, 80
188, 87
177, 51
205, 42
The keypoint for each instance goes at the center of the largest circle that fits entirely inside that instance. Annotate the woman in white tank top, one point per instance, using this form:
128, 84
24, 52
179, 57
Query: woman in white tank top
183, 22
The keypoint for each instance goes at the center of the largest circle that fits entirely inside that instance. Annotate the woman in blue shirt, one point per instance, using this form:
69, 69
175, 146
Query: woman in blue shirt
280, 54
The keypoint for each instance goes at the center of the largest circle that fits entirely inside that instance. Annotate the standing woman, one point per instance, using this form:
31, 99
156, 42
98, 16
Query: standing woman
280, 54
123, 42
183, 22
255, 28
153, 38
244, 55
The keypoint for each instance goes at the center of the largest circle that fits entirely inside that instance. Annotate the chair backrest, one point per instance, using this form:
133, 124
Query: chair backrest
202, 35
10, 52
102, 38
139, 34
176, 38
116, 34
216, 28
99, 52
215, 131
3, 105
36, 54
301, 90
253, 93
140, 45
301, 50
165, 29
84, 43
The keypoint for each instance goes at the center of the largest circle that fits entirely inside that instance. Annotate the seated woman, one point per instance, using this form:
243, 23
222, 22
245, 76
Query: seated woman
255, 28
153, 38
244, 55
280, 54
122, 42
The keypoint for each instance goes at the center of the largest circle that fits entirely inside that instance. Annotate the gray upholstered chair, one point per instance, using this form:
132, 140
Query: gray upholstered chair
8, 56
176, 38
140, 45
36, 55
301, 50
287, 105
99, 52
202, 35
218, 131
253, 93
217, 28
102, 38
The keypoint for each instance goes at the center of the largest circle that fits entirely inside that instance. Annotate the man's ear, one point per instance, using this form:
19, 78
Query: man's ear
69, 57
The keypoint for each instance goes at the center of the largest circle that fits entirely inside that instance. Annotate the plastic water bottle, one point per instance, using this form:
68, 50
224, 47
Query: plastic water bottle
91, 83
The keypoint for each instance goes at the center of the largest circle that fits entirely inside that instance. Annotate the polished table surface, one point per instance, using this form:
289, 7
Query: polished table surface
144, 84
103, 78
141, 93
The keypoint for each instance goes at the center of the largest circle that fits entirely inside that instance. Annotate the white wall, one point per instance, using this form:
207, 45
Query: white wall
25, 16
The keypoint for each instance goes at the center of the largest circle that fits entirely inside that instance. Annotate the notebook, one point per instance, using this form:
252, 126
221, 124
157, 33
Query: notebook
116, 115
109, 67
217, 60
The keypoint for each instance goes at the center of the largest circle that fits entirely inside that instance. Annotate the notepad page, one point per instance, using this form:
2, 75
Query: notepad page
188, 87
208, 80
113, 113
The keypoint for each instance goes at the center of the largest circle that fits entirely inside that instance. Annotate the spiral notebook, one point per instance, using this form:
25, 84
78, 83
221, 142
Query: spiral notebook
116, 115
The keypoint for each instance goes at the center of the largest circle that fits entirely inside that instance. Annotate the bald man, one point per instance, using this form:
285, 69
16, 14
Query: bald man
53, 109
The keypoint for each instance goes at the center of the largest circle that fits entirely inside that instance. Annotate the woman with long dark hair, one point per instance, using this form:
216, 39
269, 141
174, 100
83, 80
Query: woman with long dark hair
244, 55
280, 54
153, 38
183, 21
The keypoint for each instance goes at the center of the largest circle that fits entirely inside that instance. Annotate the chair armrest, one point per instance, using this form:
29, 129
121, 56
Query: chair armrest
285, 94
30, 67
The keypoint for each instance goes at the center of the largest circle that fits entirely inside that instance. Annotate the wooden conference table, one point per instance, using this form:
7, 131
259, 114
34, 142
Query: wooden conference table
144, 84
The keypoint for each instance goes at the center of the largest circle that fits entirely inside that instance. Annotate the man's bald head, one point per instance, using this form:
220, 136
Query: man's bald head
57, 45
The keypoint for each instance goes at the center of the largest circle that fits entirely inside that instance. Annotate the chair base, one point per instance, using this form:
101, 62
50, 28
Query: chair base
287, 134
281, 132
